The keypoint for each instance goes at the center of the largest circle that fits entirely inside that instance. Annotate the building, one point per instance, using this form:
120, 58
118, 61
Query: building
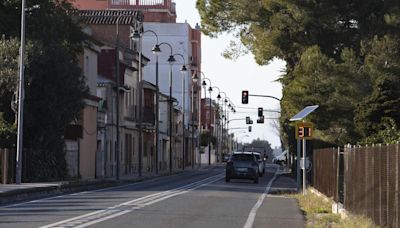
159, 16
81, 137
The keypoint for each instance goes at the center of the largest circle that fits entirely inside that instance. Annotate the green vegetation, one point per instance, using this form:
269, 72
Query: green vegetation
342, 55
259, 143
54, 85
318, 213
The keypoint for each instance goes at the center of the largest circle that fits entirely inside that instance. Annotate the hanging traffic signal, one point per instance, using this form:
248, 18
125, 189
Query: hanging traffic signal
245, 97
260, 112
247, 119
249, 128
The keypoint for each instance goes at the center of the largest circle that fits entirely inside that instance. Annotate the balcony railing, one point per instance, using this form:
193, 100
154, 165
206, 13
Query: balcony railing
143, 4
130, 112
149, 116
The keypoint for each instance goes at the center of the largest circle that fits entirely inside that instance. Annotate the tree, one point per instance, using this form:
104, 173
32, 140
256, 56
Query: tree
379, 111
55, 87
324, 44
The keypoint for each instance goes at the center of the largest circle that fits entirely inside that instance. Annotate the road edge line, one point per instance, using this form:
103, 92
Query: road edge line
250, 219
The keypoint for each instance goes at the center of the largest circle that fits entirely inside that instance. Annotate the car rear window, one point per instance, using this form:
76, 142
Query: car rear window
242, 157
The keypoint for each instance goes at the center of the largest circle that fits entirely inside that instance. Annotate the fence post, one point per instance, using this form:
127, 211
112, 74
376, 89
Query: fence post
337, 175
396, 195
5, 165
345, 176
387, 185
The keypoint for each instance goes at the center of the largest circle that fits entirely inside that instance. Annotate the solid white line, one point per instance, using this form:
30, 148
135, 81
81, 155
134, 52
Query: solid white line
250, 220
81, 193
104, 219
153, 198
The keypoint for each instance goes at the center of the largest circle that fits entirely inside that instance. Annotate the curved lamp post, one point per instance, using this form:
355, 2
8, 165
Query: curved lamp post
218, 129
183, 71
156, 51
204, 84
171, 60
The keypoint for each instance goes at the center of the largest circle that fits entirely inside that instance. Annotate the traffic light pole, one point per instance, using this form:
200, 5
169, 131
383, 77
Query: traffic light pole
256, 95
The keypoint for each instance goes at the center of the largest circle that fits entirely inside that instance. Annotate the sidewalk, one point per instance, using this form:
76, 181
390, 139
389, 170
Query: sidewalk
278, 210
12, 193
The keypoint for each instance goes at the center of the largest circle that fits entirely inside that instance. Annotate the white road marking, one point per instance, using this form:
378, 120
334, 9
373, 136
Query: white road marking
81, 193
118, 210
250, 220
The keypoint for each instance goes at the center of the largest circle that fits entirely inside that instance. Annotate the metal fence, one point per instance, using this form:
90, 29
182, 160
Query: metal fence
372, 183
7, 166
325, 171
365, 179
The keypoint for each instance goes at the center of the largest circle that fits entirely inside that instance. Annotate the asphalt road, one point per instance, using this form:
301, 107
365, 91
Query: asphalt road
191, 199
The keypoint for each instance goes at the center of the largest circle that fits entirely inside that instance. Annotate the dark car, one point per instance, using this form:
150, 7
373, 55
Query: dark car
242, 165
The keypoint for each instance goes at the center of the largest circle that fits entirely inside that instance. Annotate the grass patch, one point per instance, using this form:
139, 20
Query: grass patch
319, 214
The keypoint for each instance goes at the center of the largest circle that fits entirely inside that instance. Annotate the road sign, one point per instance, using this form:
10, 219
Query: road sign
304, 130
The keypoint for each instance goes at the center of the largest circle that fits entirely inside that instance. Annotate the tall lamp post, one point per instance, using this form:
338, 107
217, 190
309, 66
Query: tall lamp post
137, 36
225, 100
183, 71
171, 60
216, 127
204, 84
195, 80
156, 51
21, 98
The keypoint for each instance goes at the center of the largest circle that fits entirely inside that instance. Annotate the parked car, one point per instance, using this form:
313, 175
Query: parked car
280, 159
261, 163
242, 165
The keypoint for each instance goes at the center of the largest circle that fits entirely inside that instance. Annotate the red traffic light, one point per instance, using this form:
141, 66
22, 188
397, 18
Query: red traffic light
245, 97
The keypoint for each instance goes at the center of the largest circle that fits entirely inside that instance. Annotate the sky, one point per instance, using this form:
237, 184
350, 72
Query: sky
234, 76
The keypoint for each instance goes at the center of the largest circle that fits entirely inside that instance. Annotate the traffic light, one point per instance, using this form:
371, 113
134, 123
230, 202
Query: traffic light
249, 128
260, 112
260, 120
245, 97
247, 119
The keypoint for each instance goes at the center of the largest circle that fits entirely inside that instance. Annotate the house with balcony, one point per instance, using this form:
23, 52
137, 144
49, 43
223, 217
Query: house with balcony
103, 25
160, 17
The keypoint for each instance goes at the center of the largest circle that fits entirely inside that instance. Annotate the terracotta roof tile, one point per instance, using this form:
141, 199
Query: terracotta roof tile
109, 17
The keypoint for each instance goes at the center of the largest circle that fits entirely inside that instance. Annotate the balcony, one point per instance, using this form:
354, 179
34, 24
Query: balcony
142, 4
149, 116
130, 113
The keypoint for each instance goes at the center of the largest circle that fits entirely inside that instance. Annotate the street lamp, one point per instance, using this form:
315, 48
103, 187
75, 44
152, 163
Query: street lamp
204, 84
171, 60
156, 51
21, 98
216, 127
183, 71
209, 138
137, 36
